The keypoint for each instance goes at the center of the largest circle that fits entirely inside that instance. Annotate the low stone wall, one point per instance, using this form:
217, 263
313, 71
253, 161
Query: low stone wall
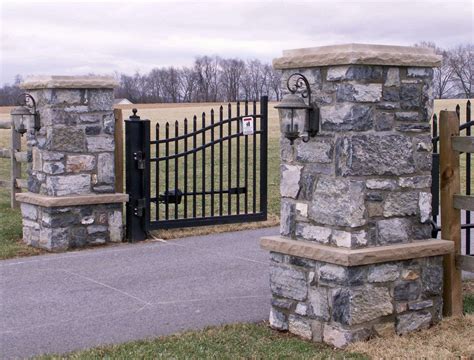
337, 305
71, 227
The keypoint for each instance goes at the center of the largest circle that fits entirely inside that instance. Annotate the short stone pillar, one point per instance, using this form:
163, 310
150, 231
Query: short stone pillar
355, 258
71, 200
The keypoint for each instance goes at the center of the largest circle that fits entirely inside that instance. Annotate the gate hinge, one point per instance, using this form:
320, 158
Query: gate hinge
139, 157
140, 205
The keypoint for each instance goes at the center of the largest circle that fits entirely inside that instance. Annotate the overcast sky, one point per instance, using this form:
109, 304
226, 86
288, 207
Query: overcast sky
102, 37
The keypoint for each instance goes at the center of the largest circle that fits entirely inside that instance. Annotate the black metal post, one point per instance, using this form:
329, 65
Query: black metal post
137, 162
263, 154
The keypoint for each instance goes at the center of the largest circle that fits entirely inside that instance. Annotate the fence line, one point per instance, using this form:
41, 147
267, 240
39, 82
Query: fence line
17, 157
452, 202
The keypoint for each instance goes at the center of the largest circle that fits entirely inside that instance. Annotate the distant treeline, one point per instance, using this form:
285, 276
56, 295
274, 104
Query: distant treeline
209, 79
212, 78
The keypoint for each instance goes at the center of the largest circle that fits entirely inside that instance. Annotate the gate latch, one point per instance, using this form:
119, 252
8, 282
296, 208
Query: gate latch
171, 197
139, 157
138, 209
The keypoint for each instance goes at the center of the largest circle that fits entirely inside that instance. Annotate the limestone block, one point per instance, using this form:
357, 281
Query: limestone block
383, 273
290, 178
359, 92
392, 77
359, 305
412, 116
100, 144
301, 209
100, 100
332, 272
354, 72
288, 282
278, 320
401, 204
415, 182
318, 150
53, 168
340, 338
301, 309
300, 327
105, 168
394, 230
413, 321
384, 121
309, 232
318, 298
68, 139
381, 184
287, 218
361, 155
115, 226
68, 185
338, 201
342, 238
419, 72
424, 204
355, 117
80, 163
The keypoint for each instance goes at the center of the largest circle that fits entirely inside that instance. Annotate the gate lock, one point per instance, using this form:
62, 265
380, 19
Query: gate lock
171, 197
139, 157
140, 205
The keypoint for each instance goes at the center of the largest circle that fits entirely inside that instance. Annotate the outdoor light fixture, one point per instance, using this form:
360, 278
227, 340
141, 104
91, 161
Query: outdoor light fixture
297, 118
26, 116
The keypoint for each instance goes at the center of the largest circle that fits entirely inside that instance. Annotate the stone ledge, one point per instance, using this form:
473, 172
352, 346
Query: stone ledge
355, 257
69, 82
364, 54
53, 201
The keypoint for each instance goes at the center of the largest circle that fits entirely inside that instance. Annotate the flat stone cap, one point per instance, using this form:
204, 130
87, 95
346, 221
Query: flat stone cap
364, 54
69, 82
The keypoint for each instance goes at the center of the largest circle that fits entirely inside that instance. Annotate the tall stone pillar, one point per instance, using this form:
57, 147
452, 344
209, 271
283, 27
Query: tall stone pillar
354, 258
71, 200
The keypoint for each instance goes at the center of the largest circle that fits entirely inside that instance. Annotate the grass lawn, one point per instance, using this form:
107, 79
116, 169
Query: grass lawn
241, 341
450, 339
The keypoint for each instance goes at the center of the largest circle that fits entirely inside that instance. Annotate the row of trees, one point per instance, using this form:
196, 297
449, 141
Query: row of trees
455, 77
212, 79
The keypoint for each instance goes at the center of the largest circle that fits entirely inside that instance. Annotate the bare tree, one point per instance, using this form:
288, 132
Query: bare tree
461, 60
231, 74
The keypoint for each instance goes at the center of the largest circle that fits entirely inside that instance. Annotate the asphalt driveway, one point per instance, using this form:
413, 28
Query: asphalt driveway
63, 302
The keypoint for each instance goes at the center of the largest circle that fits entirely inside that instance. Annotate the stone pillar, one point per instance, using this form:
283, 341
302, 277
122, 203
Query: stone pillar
71, 200
355, 258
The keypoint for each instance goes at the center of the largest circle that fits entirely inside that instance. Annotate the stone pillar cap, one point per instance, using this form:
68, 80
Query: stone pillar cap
69, 82
364, 54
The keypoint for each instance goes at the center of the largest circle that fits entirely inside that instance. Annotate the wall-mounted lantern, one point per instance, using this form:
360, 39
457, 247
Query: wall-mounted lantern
26, 116
297, 118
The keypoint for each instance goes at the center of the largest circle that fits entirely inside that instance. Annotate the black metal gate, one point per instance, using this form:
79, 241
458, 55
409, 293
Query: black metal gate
206, 171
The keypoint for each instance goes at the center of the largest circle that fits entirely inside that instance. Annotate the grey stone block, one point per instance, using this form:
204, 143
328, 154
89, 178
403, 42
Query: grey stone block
100, 143
391, 93
278, 320
413, 321
287, 218
410, 96
383, 273
359, 92
318, 298
318, 150
374, 155
67, 139
355, 117
288, 282
391, 231
338, 201
384, 121
401, 204
406, 291
105, 168
68, 185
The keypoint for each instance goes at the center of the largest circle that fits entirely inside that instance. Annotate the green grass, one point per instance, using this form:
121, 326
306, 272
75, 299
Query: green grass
10, 233
469, 304
241, 341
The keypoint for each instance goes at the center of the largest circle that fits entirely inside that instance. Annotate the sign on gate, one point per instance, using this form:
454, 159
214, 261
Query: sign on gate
247, 125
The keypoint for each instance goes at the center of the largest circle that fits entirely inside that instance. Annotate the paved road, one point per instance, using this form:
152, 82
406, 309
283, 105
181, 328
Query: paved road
63, 302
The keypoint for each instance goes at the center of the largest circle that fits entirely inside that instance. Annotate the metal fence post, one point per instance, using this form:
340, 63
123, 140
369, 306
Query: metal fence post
137, 162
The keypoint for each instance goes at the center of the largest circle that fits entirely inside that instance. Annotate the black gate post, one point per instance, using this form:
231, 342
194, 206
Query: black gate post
137, 162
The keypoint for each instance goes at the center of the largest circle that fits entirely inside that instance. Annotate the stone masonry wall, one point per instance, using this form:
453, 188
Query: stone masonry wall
365, 179
72, 155
338, 305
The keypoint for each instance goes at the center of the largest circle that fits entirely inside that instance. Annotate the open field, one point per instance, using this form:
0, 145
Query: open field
171, 112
